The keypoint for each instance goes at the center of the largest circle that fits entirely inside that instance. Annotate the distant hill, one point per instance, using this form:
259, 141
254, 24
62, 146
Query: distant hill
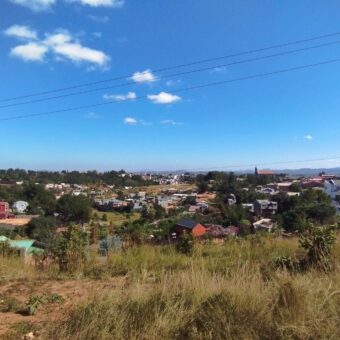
291, 172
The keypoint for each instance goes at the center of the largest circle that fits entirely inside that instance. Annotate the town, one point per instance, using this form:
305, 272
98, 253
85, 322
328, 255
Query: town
169, 170
159, 208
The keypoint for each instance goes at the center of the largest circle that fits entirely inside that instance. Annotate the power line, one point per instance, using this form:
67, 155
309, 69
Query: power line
175, 66
172, 75
261, 75
263, 164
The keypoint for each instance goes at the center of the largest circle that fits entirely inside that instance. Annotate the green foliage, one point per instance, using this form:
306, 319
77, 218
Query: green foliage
318, 243
202, 187
312, 206
284, 262
72, 177
75, 209
70, 249
39, 199
42, 229
36, 301
185, 244
295, 187
33, 304
189, 200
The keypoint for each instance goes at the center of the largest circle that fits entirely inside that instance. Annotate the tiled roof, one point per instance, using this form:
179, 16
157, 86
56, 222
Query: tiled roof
187, 223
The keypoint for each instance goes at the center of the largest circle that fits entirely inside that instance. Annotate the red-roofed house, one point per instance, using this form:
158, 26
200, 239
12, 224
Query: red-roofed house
4, 210
263, 172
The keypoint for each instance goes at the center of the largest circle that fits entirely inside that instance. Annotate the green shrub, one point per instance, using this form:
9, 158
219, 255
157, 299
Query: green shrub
318, 243
185, 245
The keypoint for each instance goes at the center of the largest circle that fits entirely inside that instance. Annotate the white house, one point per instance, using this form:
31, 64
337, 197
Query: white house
332, 188
20, 206
264, 224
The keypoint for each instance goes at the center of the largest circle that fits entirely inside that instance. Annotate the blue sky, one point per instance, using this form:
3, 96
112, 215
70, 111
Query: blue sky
51, 44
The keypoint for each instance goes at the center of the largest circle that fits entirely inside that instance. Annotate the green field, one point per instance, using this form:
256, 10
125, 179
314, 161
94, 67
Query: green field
118, 219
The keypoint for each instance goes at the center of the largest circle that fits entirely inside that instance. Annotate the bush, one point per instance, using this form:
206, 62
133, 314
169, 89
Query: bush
185, 244
318, 243
70, 251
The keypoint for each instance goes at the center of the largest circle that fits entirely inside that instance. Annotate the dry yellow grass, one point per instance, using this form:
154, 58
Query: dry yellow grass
229, 291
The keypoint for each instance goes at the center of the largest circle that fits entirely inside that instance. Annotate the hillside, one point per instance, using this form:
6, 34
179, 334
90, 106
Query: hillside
232, 291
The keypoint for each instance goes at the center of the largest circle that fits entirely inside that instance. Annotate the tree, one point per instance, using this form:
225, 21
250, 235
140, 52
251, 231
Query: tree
42, 229
39, 198
75, 209
70, 249
294, 220
295, 187
202, 187
189, 200
120, 195
159, 211
235, 214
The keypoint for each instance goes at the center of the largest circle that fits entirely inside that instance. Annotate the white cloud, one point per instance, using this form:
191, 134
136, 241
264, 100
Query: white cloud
170, 122
308, 137
60, 38
143, 77
63, 45
35, 5
92, 115
121, 97
19, 31
130, 121
219, 69
45, 5
102, 3
100, 19
30, 52
164, 98
78, 53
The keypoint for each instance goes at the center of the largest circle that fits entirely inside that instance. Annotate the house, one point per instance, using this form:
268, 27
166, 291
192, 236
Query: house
231, 199
312, 182
267, 191
20, 206
284, 186
193, 209
332, 189
110, 204
265, 207
264, 224
263, 172
207, 196
4, 210
25, 247
186, 225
